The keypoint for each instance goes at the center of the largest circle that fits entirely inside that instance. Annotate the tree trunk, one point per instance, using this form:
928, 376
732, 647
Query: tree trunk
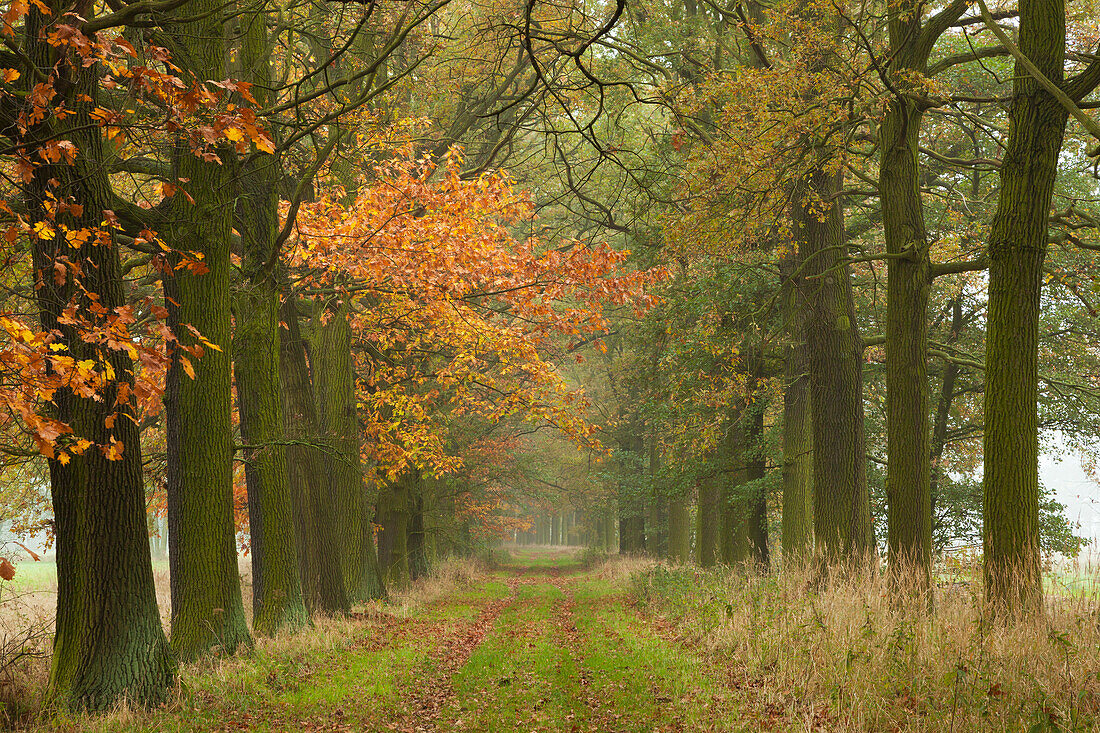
842, 509
657, 519
276, 581
744, 531
1017, 248
108, 643
948, 379
908, 473
334, 385
755, 462
309, 468
417, 543
393, 510
207, 612
631, 533
797, 518
679, 530
707, 521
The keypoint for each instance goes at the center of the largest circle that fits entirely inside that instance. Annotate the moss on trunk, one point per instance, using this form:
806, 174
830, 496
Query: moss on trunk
1017, 248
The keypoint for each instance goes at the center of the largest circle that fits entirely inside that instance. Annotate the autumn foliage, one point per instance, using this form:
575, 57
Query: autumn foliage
455, 311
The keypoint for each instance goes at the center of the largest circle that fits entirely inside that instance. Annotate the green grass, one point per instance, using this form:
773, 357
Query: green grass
34, 576
544, 644
569, 655
560, 652
664, 685
518, 677
542, 558
357, 673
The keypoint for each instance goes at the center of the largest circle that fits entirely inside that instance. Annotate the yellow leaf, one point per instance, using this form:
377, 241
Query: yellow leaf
232, 133
43, 230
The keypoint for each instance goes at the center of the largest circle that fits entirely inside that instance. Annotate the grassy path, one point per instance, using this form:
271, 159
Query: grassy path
539, 645
567, 653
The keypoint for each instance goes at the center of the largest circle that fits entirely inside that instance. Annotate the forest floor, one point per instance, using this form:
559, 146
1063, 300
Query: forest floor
542, 642
538, 644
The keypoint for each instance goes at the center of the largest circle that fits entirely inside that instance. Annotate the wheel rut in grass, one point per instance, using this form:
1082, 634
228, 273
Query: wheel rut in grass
433, 692
594, 715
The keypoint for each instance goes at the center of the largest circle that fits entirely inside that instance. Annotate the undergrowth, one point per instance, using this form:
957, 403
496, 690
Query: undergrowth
847, 658
289, 669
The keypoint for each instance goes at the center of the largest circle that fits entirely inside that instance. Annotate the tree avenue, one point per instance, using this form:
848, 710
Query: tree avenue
331, 293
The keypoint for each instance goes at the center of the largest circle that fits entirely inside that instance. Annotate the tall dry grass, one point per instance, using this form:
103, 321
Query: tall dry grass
848, 658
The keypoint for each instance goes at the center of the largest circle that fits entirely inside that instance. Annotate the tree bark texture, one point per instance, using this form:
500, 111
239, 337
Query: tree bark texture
309, 468
842, 509
207, 612
1017, 248
276, 580
797, 518
708, 521
334, 387
108, 641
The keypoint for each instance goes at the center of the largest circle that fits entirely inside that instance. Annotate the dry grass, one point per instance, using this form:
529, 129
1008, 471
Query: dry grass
846, 658
617, 568
26, 633
442, 580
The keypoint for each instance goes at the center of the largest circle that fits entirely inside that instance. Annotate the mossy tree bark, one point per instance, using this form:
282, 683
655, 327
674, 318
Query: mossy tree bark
309, 468
393, 511
708, 521
797, 517
207, 612
657, 519
842, 509
109, 643
631, 532
334, 387
417, 542
908, 487
756, 502
679, 530
1017, 248
632, 511
276, 580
